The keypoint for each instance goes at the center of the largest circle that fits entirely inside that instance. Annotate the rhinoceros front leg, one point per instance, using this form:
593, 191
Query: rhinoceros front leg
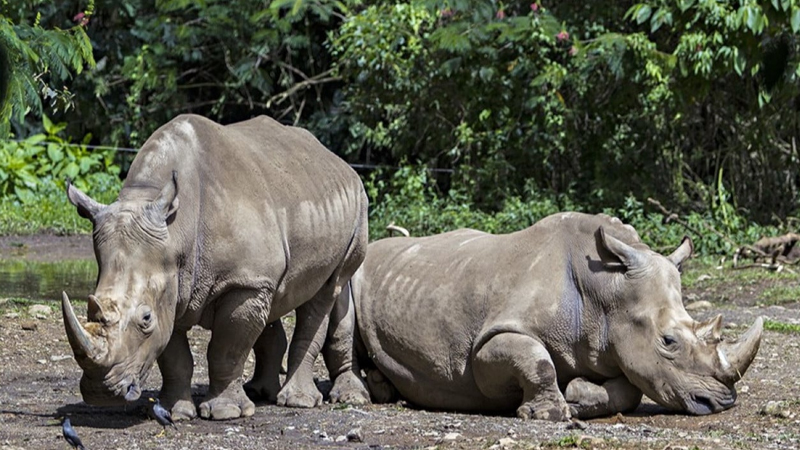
269, 350
340, 353
587, 399
239, 319
309, 335
176, 365
510, 362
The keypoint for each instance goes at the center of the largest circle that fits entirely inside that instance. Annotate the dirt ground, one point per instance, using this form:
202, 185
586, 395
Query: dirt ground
39, 382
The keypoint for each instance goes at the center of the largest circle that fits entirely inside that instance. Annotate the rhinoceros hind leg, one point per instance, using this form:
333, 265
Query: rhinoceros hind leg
269, 350
299, 391
510, 362
587, 400
239, 319
176, 365
341, 353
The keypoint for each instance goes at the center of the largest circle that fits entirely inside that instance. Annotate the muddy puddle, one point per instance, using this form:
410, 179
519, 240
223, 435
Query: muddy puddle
37, 280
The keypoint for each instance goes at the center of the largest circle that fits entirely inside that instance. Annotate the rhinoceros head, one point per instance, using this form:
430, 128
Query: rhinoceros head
132, 310
680, 363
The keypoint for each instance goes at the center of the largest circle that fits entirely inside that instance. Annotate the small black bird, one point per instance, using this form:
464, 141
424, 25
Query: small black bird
162, 416
70, 435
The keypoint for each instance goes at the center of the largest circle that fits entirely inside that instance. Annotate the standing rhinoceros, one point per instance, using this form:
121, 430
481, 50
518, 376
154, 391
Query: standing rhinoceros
573, 316
229, 227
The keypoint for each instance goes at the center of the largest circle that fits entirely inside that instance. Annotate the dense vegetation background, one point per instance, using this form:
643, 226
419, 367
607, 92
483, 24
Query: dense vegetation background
522, 108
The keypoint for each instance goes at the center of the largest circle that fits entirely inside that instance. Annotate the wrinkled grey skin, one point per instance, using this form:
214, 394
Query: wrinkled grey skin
572, 317
227, 227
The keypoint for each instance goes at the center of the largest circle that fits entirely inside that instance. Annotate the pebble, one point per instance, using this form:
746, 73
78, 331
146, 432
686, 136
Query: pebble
12, 315
577, 425
451, 436
29, 325
775, 409
355, 435
504, 443
341, 439
40, 311
698, 305
56, 358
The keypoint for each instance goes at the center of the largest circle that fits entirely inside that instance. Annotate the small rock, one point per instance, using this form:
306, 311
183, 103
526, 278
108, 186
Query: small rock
699, 305
451, 436
341, 439
704, 277
355, 435
12, 315
506, 442
29, 325
744, 389
57, 358
41, 361
40, 311
775, 409
577, 425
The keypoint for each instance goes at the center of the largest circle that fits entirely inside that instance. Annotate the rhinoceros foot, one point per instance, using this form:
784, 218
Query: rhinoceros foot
382, 390
299, 395
557, 411
183, 410
228, 405
349, 388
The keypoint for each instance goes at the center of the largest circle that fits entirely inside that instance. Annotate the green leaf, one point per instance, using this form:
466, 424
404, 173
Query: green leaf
47, 124
55, 153
643, 14
72, 170
795, 20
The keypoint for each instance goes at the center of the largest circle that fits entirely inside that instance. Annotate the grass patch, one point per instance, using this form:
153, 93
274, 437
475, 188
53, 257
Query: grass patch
50, 212
697, 272
778, 295
781, 327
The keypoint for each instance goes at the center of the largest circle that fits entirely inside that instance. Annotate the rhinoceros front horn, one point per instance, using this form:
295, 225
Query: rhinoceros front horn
737, 355
79, 339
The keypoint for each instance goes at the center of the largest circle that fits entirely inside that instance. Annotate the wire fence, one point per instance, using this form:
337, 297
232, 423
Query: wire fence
358, 166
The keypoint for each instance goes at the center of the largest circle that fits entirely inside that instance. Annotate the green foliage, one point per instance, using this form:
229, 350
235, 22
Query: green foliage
36, 63
781, 327
26, 165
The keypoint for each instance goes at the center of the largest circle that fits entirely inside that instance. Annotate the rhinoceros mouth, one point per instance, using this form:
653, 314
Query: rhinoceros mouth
702, 404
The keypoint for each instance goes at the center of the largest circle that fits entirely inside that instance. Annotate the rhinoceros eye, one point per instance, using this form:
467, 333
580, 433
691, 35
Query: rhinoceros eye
146, 322
669, 341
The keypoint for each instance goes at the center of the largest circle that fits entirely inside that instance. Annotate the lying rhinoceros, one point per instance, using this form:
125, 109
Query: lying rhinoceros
573, 316
229, 227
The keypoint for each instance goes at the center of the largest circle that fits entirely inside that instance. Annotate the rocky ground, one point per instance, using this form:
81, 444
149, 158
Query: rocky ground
39, 382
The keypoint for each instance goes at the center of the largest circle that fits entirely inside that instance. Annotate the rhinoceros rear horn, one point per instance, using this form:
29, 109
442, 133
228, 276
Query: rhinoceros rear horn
79, 339
87, 206
167, 202
737, 355
627, 255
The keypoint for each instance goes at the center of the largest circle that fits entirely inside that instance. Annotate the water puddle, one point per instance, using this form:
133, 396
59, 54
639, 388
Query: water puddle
45, 280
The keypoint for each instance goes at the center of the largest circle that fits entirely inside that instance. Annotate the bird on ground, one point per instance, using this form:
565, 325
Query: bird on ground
162, 416
70, 435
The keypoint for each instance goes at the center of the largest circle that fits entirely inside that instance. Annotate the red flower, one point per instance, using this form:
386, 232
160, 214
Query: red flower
81, 19
534, 7
563, 35
500, 14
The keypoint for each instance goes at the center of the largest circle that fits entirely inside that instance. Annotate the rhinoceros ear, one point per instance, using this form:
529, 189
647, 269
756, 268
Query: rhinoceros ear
167, 202
709, 330
630, 257
87, 206
682, 253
